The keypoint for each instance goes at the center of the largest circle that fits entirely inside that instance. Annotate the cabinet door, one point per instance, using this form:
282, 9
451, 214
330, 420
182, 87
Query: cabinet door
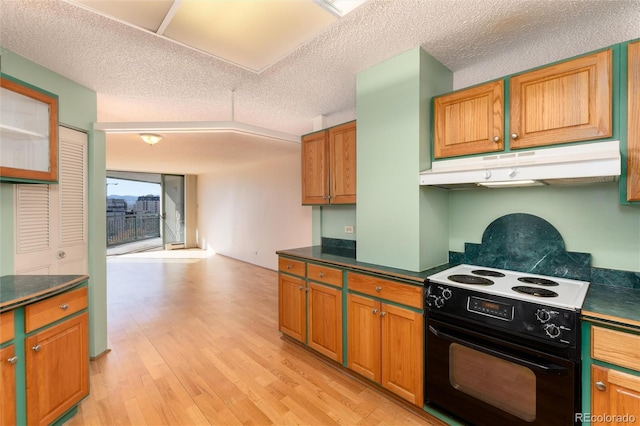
292, 307
8, 382
57, 369
566, 102
28, 133
363, 336
614, 393
633, 123
342, 163
325, 320
402, 352
470, 121
51, 220
315, 169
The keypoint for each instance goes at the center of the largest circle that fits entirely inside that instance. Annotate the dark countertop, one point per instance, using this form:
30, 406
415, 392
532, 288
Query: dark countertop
315, 253
613, 303
19, 290
619, 304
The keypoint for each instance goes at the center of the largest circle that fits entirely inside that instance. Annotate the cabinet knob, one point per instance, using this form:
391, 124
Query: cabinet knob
514, 136
374, 311
383, 313
61, 255
600, 386
496, 138
289, 266
37, 348
12, 360
378, 289
321, 274
64, 306
301, 287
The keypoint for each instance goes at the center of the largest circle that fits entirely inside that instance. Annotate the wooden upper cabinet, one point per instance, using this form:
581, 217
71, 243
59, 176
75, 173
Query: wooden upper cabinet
633, 122
342, 161
315, 168
566, 102
469, 121
28, 133
329, 166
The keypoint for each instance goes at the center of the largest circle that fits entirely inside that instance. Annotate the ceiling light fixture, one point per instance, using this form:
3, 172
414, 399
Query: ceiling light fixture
151, 138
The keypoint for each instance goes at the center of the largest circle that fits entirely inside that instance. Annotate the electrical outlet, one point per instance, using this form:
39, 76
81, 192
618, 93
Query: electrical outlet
348, 229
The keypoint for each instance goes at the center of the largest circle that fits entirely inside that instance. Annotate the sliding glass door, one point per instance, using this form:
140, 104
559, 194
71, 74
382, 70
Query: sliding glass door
173, 211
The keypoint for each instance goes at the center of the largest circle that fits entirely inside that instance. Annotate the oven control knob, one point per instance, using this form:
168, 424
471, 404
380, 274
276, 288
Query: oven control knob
446, 293
543, 315
552, 330
439, 302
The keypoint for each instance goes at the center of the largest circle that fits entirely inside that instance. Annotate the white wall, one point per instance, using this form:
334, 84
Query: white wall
248, 213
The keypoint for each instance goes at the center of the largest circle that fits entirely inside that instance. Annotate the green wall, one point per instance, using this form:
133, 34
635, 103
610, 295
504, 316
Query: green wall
393, 212
589, 218
334, 218
78, 109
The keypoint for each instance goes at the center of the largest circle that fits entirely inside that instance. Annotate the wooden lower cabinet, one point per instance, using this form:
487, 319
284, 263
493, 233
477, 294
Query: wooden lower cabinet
324, 315
385, 345
8, 386
363, 336
292, 307
57, 369
615, 397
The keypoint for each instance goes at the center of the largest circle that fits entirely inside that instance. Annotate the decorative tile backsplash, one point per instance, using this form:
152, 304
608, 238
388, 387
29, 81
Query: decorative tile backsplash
339, 247
527, 243
615, 277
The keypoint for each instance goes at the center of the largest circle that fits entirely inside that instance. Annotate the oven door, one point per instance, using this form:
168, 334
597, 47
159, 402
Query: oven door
486, 381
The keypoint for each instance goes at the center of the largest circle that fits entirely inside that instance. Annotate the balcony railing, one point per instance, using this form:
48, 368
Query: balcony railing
128, 228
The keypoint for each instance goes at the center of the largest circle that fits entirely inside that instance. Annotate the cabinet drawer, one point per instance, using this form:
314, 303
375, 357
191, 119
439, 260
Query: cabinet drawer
404, 294
6, 326
324, 274
290, 266
615, 347
54, 308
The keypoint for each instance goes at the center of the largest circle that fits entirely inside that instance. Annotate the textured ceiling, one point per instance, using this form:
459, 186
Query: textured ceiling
140, 77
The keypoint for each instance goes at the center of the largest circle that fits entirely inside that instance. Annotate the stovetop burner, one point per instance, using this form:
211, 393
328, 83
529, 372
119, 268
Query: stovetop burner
488, 273
470, 279
534, 291
538, 281
567, 293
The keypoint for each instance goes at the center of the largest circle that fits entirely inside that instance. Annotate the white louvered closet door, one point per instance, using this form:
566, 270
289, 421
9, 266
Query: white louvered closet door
51, 220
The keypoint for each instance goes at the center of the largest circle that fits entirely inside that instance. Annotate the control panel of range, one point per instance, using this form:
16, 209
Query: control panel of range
528, 318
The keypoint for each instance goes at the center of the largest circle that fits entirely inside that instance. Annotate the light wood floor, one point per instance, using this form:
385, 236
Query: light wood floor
197, 342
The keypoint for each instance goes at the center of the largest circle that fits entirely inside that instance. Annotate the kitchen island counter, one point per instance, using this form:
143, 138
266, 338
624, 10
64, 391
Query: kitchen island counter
19, 290
315, 253
613, 303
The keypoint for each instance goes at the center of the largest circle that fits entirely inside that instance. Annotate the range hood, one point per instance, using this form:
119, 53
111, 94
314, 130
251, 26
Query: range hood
584, 163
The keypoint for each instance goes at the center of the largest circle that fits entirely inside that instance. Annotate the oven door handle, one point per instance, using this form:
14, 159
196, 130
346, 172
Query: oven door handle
553, 369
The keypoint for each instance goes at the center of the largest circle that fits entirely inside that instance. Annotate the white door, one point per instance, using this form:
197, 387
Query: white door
51, 220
